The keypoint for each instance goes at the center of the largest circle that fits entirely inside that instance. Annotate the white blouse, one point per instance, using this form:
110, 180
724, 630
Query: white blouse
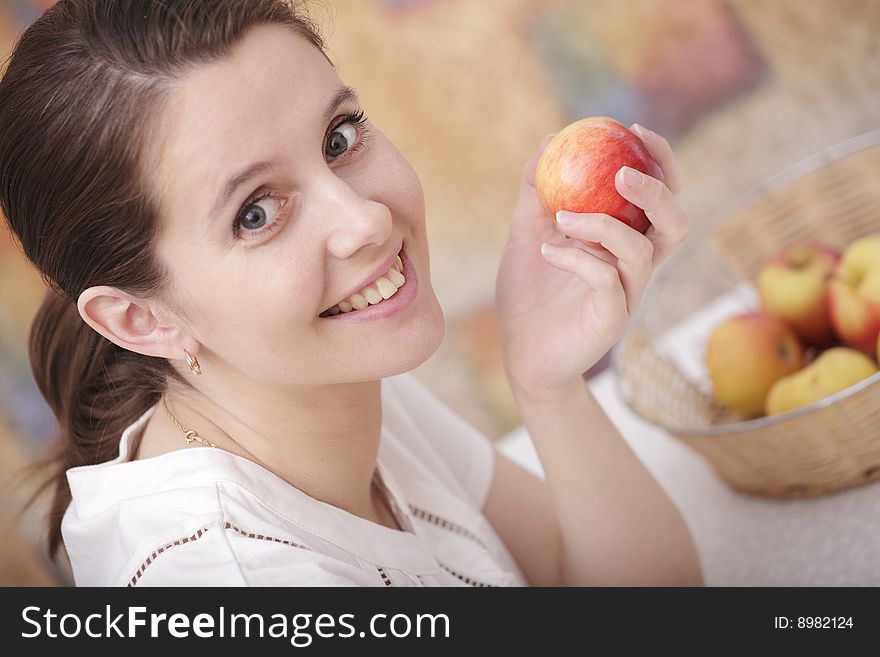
204, 516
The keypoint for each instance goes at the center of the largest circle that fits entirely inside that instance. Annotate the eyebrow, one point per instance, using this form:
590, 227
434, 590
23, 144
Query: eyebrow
343, 95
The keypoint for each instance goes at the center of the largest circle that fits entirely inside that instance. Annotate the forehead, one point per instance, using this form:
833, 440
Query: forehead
220, 115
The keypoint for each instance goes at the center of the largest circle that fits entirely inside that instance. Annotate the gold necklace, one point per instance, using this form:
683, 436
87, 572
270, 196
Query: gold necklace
190, 435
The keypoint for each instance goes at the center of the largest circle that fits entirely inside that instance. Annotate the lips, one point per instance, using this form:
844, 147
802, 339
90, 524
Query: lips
384, 309
378, 272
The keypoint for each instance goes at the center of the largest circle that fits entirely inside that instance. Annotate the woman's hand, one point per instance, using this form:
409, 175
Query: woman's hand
562, 305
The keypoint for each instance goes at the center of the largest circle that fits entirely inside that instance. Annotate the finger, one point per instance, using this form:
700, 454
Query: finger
601, 277
634, 251
669, 223
590, 247
660, 150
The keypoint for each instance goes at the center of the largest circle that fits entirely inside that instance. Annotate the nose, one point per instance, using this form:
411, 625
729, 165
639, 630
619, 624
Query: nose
351, 219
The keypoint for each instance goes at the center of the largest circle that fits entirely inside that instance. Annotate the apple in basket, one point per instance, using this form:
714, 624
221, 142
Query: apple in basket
854, 295
577, 168
793, 286
746, 355
834, 370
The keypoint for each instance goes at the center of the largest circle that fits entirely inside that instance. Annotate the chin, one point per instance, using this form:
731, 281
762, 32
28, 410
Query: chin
419, 340
413, 342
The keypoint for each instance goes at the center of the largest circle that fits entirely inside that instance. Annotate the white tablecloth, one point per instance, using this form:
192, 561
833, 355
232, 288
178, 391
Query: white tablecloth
746, 540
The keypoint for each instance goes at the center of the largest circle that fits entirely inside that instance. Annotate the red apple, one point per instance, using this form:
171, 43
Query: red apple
793, 286
576, 171
854, 295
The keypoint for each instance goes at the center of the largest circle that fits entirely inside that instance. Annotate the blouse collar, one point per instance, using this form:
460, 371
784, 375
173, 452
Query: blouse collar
95, 488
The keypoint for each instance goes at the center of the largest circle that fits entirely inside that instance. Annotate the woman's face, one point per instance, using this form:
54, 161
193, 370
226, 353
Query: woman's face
255, 264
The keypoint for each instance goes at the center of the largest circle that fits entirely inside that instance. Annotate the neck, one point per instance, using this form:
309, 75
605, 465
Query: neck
324, 440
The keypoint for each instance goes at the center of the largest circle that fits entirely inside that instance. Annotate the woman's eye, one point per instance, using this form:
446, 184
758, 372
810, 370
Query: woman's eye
341, 139
258, 216
344, 137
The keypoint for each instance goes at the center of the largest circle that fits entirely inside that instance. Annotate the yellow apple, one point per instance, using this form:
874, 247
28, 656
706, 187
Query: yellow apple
854, 295
793, 286
746, 355
834, 370
863, 253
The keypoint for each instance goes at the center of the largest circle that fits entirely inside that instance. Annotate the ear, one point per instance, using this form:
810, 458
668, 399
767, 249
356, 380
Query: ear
134, 324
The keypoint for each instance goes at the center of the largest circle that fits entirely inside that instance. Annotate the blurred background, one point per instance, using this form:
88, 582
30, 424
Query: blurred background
466, 90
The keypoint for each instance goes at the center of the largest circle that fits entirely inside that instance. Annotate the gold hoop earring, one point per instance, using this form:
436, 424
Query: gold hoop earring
193, 362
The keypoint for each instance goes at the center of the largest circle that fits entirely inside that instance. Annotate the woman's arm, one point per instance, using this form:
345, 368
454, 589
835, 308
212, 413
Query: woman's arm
600, 519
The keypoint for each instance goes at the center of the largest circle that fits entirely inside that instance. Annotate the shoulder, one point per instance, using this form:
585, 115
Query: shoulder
225, 555
197, 518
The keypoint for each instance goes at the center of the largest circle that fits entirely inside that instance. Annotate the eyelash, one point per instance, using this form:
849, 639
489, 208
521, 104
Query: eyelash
359, 119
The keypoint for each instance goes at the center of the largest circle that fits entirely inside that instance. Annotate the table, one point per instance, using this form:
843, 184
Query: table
742, 539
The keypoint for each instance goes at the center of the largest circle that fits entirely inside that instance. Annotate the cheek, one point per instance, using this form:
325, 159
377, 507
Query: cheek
268, 301
402, 189
409, 180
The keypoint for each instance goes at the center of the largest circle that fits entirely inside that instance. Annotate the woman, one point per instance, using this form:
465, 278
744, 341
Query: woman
239, 286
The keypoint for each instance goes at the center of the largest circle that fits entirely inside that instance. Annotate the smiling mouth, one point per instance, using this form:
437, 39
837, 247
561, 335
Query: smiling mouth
384, 287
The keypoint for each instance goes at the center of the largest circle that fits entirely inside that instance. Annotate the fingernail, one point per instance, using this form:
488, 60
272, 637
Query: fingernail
548, 250
631, 177
642, 130
565, 218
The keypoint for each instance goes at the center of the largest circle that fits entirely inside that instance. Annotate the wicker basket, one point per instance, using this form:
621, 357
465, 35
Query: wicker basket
833, 197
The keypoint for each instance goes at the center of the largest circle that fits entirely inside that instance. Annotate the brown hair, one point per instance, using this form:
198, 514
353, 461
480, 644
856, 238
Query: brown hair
75, 105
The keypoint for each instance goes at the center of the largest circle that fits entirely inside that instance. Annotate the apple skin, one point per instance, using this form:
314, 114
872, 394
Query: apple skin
854, 295
793, 286
577, 168
834, 370
746, 355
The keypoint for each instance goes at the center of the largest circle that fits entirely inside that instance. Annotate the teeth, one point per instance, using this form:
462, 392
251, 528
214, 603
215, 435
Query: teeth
371, 295
384, 288
359, 302
396, 278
